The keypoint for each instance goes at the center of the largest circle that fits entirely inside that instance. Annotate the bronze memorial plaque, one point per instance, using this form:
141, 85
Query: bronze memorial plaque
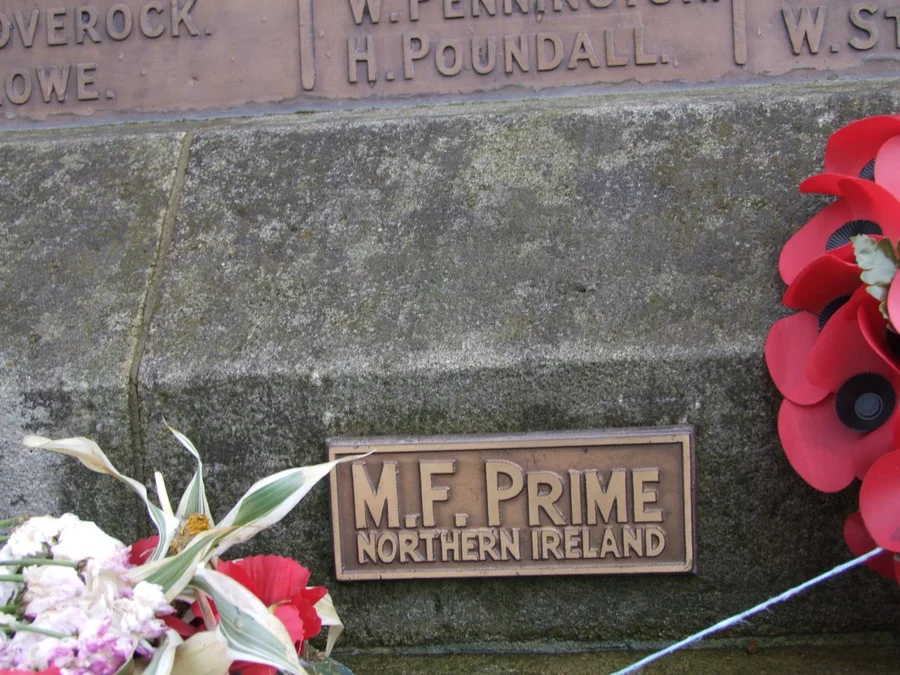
148, 58
594, 502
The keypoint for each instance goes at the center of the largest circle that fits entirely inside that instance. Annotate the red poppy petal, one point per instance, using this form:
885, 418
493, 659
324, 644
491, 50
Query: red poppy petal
788, 345
879, 501
312, 622
817, 444
293, 622
887, 166
874, 329
809, 242
824, 279
851, 148
142, 550
277, 578
870, 201
860, 542
872, 447
180, 626
842, 350
823, 184
239, 573
313, 594
893, 305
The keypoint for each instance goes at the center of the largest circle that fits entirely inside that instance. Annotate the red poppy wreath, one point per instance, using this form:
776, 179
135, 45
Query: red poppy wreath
837, 360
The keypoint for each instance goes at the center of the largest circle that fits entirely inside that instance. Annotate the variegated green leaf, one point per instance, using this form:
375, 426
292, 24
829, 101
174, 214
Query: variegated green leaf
194, 498
90, 454
164, 658
271, 499
252, 632
175, 572
205, 653
327, 612
127, 668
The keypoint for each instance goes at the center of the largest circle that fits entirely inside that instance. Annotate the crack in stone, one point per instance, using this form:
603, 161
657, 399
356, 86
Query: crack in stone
149, 303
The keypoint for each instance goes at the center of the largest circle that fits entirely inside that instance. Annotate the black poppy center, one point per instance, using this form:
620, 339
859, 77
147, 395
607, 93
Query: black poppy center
893, 341
865, 402
868, 406
847, 231
868, 171
831, 309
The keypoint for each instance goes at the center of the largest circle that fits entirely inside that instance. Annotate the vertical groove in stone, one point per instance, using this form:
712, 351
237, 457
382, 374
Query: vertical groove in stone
150, 301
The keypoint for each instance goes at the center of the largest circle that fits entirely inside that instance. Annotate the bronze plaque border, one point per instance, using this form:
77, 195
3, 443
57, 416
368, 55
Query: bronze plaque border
685, 435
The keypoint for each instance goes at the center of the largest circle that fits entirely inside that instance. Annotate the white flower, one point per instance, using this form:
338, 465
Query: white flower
32, 538
78, 540
47, 587
104, 620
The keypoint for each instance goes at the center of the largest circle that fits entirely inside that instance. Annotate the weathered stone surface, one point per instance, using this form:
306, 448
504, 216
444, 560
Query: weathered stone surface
537, 266
80, 216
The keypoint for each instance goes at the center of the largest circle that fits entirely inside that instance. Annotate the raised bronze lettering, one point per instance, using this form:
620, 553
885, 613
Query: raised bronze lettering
86, 18
16, 94
27, 28
864, 24
415, 48
805, 28
53, 81
376, 500
119, 22
181, 16
5, 31
56, 27
357, 54
84, 78
146, 22
587, 503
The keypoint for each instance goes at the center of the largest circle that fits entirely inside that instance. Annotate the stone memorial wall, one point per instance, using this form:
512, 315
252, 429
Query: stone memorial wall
580, 231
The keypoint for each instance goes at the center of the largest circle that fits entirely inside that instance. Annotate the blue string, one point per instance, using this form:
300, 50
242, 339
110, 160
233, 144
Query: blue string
738, 618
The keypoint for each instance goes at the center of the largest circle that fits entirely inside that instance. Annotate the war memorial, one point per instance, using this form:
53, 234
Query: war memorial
525, 250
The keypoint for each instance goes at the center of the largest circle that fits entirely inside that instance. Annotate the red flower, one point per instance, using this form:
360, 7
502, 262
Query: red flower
860, 542
281, 584
838, 438
864, 208
142, 550
822, 288
879, 501
868, 149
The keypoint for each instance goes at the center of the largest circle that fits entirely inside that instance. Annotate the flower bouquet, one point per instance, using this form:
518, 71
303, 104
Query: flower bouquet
75, 601
837, 360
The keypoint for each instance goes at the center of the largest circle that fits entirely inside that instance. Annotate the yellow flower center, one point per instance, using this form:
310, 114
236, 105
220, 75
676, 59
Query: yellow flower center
194, 525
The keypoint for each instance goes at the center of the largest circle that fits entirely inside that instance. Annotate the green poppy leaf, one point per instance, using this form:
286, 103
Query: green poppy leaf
877, 259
